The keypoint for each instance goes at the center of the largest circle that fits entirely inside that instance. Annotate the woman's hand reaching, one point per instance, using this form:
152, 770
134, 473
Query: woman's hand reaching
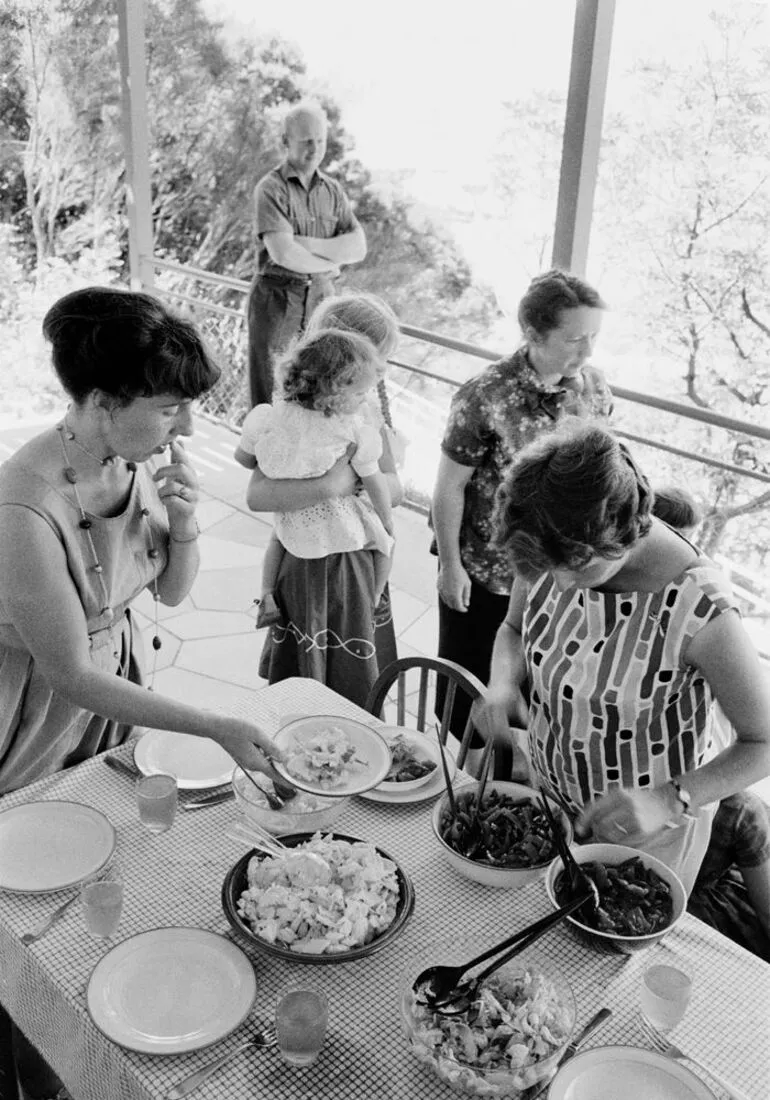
249, 746
628, 817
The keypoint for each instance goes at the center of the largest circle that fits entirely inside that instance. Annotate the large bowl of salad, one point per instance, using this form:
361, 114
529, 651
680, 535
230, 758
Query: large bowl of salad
640, 898
330, 898
506, 841
510, 1039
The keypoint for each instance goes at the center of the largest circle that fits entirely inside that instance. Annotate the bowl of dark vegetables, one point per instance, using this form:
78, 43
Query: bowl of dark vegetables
504, 841
640, 898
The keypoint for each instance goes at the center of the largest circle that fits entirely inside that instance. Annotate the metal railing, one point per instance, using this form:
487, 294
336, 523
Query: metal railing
420, 396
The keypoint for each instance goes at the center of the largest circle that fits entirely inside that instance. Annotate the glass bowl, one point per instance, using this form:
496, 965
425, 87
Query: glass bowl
611, 855
489, 874
236, 882
480, 1055
303, 813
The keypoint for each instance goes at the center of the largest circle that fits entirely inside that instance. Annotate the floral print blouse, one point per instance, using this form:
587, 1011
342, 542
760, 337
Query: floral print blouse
492, 416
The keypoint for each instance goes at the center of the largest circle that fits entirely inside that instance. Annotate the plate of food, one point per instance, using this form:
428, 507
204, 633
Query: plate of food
415, 758
195, 762
331, 755
433, 786
357, 900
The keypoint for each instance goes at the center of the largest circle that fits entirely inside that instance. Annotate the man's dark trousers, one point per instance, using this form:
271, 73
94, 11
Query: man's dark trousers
279, 308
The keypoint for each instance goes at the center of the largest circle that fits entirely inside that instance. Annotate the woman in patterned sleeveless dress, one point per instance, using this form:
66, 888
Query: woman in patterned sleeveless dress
619, 637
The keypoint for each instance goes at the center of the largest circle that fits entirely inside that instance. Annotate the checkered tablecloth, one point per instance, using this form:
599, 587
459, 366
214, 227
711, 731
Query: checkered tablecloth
175, 879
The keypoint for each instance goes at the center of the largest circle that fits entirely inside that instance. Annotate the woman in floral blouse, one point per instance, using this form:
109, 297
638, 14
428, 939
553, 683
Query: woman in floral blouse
493, 415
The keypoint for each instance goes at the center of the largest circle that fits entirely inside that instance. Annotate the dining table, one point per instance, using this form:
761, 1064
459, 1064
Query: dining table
173, 880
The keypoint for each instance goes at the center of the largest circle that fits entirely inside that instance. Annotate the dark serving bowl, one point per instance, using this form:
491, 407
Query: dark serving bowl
236, 882
611, 855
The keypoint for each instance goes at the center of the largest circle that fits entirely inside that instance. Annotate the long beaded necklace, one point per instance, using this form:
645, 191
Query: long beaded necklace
85, 524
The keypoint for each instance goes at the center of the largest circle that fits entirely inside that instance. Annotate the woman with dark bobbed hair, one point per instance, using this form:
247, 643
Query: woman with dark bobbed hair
493, 416
89, 517
618, 638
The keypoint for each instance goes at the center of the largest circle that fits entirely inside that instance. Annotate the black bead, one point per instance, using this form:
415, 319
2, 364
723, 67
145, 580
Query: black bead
70, 475
85, 524
156, 643
145, 511
131, 467
153, 553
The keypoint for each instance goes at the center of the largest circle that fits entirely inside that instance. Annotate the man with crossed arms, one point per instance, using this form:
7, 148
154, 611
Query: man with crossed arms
306, 231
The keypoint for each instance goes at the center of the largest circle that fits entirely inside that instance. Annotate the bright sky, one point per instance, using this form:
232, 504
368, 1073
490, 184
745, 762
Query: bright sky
420, 82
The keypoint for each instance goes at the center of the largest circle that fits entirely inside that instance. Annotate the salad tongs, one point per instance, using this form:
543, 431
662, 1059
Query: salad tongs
441, 986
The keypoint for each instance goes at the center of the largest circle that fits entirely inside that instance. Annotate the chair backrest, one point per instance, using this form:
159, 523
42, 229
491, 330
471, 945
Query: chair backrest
410, 680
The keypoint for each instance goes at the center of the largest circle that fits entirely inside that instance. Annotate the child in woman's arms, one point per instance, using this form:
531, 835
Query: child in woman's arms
325, 382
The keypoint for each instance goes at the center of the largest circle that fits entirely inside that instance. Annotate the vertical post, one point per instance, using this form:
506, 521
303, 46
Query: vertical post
582, 132
133, 86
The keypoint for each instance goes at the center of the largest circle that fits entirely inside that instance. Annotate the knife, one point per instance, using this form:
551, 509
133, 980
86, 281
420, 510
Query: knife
121, 766
209, 800
596, 1020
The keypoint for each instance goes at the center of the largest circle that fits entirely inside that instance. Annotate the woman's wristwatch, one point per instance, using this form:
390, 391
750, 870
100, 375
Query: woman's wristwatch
683, 800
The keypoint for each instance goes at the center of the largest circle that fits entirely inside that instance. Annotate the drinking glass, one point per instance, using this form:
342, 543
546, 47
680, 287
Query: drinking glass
156, 800
666, 989
101, 902
301, 1016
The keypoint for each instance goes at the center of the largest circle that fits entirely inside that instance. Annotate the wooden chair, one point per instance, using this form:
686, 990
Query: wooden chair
409, 685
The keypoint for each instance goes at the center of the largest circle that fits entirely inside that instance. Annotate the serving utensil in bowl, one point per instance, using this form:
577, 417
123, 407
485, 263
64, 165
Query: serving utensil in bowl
442, 986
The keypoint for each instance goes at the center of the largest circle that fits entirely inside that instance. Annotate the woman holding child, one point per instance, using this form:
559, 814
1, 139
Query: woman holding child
324, 585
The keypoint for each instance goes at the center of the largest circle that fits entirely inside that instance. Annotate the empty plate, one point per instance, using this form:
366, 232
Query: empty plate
171, 990
48, 846
333, 756
196, 762
605, 1073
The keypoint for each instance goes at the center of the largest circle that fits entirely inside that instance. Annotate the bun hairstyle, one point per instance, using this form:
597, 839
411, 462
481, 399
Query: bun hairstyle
573, 495
322, 365
127, 345
548, 295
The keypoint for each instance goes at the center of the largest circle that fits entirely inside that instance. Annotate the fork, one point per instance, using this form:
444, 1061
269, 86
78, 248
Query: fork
664, 1046
49, 922
262, 1040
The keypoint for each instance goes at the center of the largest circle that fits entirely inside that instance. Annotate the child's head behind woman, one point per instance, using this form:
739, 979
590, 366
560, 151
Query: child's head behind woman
329, 371
362, 313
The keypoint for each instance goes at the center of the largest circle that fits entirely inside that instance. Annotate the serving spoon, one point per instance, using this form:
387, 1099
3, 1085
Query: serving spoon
441, 986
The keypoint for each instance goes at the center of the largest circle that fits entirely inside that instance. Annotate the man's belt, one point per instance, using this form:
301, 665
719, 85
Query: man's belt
277, 279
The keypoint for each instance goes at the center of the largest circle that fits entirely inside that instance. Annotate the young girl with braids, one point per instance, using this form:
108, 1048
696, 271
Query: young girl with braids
322, 610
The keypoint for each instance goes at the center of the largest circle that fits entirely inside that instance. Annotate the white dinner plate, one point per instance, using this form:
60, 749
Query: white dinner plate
431, 789
606, 1073
48, 846
369, 766
171, 990
196, 762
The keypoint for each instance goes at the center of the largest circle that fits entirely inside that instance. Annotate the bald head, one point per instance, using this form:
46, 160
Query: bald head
304, 138
301, 115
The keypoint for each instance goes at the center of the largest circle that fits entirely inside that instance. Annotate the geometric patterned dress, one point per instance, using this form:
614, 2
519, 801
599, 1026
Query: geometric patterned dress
612, 704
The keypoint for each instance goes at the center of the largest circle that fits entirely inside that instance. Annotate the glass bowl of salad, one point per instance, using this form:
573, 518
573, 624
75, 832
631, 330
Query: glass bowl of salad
640, 898
506, 842
303, 813
511, 1038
